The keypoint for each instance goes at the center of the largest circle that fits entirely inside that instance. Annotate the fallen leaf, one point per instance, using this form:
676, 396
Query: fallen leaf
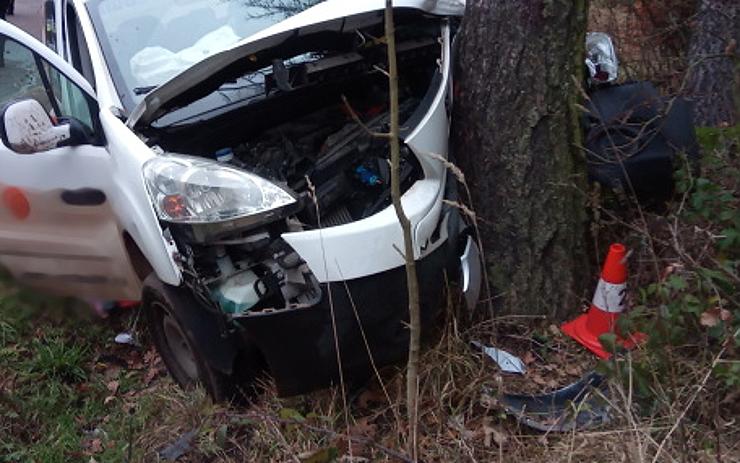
151, 356
96, 446
113, 387
713, 316
537, 379
368, 397
109, 399
151, 373
573, 370
528, 358
670, 269
457, 423
495, 435
364, 428
554, 330
112, 372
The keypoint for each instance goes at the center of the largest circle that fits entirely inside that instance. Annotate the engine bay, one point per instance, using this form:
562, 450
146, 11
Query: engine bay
308, 123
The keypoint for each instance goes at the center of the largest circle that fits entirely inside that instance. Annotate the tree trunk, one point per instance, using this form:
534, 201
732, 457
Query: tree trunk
713, 77
516, 134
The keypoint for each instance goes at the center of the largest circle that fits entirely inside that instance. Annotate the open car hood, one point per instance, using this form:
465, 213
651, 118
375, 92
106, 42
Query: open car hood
254, 52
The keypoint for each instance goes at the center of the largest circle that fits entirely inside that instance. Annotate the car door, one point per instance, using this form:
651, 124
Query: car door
58, 231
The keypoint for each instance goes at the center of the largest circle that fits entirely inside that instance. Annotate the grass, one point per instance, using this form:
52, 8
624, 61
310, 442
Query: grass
54, 389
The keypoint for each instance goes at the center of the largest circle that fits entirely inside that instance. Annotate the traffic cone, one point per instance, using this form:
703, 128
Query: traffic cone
608, 303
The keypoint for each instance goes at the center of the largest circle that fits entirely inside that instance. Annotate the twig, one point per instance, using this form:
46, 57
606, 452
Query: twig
412, 281
699, 388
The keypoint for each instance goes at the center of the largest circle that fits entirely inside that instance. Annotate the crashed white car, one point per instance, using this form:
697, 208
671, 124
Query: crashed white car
202, 157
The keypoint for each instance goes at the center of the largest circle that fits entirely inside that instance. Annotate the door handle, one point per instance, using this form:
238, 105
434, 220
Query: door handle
84, 197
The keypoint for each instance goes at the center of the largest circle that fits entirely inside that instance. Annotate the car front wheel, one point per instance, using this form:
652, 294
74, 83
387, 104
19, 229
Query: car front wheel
172, 327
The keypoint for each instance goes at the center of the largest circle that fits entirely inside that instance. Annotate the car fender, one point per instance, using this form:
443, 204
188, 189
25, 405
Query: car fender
131, 202
219, 351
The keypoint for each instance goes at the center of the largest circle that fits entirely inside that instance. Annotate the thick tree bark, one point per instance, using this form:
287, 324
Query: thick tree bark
516, 136
714, 84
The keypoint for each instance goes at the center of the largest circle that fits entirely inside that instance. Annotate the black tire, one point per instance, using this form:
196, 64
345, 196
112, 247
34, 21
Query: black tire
177, 346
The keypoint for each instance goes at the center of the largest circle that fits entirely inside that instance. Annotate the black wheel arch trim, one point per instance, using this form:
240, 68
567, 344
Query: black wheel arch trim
219, 351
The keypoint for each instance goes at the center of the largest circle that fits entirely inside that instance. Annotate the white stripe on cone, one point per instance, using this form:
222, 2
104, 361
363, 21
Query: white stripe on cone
609, 297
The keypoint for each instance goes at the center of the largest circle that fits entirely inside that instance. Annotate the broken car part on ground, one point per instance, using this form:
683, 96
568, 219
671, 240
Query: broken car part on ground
239, 194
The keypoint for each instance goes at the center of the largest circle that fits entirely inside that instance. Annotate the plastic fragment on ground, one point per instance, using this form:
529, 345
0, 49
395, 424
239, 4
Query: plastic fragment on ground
508, 362
125, 338
578, 406
178, 448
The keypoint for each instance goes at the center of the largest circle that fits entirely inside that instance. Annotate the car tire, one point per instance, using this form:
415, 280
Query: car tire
177, 346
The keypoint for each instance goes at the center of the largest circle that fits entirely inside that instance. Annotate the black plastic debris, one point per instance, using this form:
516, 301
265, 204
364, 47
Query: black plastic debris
633, 137
578, 406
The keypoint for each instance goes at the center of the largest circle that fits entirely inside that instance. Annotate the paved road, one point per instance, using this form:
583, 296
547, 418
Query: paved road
28, 16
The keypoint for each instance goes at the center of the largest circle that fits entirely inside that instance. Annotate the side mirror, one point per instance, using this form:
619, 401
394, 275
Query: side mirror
26, 128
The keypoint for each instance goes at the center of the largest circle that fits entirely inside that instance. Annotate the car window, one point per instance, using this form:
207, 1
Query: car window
148, 42
69, 98
19, 75
78, 47
23, 75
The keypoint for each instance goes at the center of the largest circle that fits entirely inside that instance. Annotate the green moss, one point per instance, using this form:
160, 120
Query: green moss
712, 138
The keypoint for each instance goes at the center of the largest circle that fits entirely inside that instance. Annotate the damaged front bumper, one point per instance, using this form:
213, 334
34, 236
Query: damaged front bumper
369, 314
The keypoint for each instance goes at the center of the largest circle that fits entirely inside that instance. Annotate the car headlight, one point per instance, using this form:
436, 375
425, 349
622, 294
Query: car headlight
186, 189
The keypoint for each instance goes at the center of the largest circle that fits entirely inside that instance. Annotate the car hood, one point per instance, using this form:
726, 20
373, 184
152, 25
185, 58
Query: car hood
249, 54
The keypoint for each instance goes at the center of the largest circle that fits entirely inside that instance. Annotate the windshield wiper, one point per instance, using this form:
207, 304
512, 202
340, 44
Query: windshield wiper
144, 90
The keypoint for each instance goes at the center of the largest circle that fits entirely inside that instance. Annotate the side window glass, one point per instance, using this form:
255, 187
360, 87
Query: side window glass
20, 77
86, 68
69, 98
79, 54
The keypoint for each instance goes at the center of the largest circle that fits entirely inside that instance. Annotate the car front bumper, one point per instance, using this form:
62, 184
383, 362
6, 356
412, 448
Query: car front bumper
369, 315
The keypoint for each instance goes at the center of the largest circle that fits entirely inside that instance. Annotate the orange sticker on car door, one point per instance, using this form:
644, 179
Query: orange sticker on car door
17, 203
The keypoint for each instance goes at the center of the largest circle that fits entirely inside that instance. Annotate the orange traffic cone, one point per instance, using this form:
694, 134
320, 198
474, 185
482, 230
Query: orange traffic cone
607, 305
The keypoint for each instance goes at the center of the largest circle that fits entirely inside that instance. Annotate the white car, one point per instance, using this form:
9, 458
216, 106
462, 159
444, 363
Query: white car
200, 157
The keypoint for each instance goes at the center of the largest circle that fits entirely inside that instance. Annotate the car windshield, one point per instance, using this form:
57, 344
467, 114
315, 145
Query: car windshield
147, 42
